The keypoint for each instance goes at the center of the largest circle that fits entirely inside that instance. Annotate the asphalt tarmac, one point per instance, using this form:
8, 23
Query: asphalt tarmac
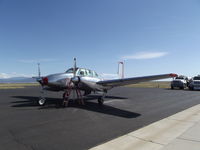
26, 126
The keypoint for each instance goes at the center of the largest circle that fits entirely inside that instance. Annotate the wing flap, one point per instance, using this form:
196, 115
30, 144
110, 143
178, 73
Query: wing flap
134, 80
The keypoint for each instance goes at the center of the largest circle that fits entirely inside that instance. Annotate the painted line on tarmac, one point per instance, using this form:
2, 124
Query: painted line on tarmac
113, 100
156, 135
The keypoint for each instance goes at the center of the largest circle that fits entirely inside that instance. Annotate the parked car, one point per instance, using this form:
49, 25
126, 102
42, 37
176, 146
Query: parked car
195, 83
180, 82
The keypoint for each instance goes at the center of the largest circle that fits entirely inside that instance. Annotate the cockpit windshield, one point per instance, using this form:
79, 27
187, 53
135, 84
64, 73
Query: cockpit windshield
83, 72
71, 70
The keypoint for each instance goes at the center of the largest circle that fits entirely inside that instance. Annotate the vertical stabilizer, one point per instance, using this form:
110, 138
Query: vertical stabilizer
121, 69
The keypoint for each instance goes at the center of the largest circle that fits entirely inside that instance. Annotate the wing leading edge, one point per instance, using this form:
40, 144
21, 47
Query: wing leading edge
134, 80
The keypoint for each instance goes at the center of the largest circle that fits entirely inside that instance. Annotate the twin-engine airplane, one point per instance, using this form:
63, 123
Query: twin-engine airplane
86, 80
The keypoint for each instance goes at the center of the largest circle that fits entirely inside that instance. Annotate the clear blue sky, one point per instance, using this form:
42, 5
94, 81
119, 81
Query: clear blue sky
153, 36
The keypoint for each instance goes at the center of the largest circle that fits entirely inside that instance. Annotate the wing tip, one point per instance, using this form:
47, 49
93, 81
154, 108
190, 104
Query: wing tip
173, 75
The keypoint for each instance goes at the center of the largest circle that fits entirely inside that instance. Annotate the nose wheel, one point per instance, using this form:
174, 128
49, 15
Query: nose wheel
100, 101
42, 101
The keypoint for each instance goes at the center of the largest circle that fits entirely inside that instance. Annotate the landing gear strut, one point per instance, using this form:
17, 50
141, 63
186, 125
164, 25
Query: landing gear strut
42, 100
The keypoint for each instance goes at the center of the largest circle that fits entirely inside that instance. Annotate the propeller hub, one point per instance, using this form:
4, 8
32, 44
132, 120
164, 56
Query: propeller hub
75, 79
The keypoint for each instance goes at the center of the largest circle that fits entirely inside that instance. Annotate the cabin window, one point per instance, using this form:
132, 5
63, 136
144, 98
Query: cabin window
89, 73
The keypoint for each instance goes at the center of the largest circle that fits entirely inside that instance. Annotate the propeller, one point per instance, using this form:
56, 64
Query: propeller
74, 74
42, 80
39, 73
74, 69
75, 79
38, 78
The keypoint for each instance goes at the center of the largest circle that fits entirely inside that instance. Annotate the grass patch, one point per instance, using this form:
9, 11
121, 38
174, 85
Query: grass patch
9, 87
158, 84
16, 85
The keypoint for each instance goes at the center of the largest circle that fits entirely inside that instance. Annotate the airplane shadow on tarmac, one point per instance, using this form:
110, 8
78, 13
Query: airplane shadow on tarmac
53, 103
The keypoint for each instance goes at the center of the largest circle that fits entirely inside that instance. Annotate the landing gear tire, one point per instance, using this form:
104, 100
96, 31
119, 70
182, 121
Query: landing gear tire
42, 101
100, 101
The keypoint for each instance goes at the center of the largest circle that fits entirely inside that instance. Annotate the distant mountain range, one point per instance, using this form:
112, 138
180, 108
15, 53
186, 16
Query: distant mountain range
17, 80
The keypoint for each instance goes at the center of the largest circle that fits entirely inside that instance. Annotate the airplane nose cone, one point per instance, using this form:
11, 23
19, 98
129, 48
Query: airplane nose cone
45, 80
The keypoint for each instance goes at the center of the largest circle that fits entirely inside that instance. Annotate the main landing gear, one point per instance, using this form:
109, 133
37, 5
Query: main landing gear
101, 99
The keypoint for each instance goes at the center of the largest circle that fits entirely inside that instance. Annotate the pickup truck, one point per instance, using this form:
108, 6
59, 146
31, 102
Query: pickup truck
180, 82
195, 83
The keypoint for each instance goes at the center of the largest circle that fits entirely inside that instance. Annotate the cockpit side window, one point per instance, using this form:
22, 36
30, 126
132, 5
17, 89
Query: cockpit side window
95, 74
81, 72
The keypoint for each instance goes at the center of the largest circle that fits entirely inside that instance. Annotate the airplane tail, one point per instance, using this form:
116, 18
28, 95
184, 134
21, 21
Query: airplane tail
120, 71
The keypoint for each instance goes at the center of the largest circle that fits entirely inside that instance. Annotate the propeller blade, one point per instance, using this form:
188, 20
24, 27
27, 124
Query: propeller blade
39, 78
39, 73
74, 70
75, 79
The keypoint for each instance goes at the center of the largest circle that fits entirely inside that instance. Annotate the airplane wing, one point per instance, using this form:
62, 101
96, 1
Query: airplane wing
134, 80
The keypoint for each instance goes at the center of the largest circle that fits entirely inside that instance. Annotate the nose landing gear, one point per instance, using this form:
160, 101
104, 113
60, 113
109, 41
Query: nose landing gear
42, 101
100, 101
